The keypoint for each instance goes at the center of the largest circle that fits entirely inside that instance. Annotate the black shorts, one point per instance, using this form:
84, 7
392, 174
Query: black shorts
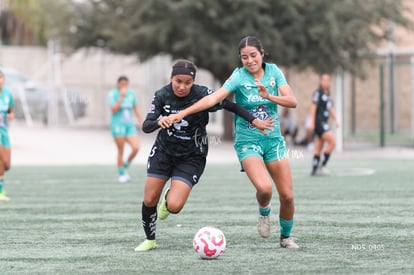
164, 166
321, 128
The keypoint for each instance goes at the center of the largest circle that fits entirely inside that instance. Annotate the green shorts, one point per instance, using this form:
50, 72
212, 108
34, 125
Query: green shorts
269, 149
4, 138
123, 130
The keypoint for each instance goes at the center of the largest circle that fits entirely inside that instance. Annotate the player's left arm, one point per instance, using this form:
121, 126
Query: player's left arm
333, 115
10, 114
285, 99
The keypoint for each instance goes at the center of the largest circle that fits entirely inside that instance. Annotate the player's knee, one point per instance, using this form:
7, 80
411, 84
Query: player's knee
135, 149
174, 207
7, 167
286, 199
150, 201
264, 192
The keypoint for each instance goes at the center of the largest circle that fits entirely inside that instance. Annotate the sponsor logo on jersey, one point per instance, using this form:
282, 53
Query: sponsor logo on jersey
255, 98
151, 109
167, 108
249, 86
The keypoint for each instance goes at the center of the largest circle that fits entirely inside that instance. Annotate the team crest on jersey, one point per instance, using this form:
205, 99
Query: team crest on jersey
182, 123
272, 82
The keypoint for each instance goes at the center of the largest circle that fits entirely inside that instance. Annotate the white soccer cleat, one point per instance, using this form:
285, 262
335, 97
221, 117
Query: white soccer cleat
124, 178
263, 226
288, 243
323, 171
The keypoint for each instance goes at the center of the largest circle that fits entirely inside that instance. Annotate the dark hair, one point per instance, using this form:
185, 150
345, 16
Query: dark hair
184, 67
122, 78
252, 41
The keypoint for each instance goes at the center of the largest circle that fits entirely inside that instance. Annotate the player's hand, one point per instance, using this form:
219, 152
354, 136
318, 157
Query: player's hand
123, 92
311, 127
175, 118
337, 124
263, 92
10, 116
263, 125
165, 122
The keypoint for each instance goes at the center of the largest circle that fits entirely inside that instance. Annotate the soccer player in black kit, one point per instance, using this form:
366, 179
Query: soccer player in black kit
321, 109
180, 149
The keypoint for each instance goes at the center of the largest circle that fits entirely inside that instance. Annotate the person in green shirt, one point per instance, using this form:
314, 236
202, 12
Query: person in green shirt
259, 87
123, 103
6, 114
180, 150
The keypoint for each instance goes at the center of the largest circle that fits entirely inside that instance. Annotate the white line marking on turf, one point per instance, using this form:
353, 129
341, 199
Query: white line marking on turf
351, 172
337, 172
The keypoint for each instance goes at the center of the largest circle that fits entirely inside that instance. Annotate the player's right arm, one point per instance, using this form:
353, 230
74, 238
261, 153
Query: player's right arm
314, 106
154, 120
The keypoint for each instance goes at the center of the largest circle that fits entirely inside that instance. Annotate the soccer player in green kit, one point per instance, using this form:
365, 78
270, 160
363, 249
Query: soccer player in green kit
123, 103
180, 149
6, 114
259, 87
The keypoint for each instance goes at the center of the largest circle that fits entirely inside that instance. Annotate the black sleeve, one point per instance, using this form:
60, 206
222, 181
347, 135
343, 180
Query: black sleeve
151, 121
238, 110
150, 126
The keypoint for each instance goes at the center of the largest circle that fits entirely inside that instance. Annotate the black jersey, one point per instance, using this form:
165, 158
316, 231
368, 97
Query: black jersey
323, 103
187, 137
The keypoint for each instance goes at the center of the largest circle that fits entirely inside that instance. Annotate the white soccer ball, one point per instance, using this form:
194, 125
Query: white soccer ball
209, 242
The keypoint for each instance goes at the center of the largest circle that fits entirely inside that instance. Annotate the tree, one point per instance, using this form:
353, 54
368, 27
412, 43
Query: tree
33, 22
316, 34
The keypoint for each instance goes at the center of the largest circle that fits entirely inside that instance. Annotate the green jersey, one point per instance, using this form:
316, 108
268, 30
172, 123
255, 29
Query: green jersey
242, 84
124, 116
6, 102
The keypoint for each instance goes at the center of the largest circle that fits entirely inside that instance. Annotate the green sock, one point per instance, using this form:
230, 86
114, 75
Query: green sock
126, 164
285, 227
265, 211
121, 171
1, 184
